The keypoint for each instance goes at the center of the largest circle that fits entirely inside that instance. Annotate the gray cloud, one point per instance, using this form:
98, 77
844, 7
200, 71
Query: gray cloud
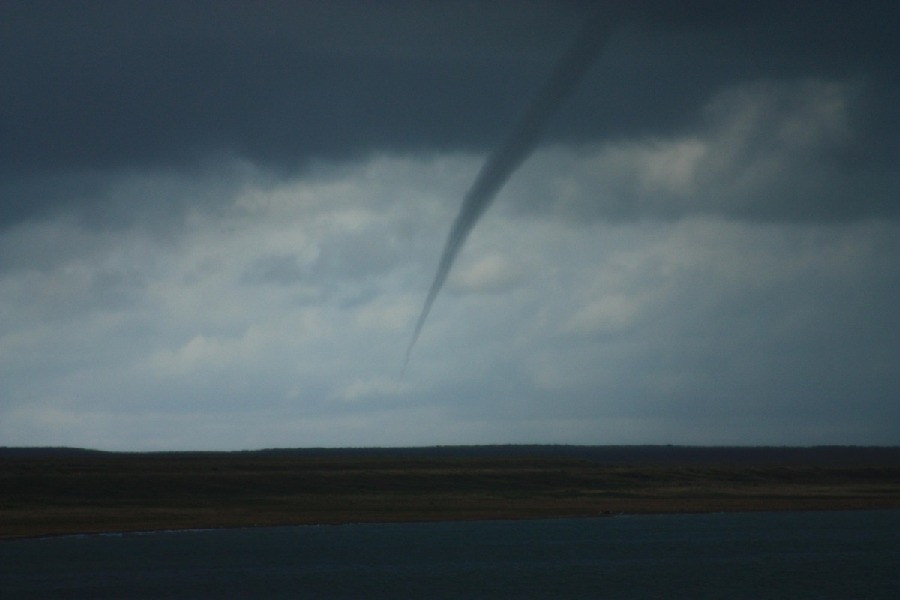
217, 221
766, 151
107, 88
276, 269
700, 330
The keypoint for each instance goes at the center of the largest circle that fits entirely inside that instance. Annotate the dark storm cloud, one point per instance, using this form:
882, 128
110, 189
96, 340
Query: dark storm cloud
95, 87
107, 83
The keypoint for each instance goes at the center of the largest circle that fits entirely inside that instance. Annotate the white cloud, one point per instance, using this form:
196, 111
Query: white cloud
611, 312
391, 315
493, 272
378, 388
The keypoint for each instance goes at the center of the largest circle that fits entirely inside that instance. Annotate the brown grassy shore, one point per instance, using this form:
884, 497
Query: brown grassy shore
58, 491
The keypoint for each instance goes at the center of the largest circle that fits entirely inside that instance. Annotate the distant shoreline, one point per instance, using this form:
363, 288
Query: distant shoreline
162, 530
48, 492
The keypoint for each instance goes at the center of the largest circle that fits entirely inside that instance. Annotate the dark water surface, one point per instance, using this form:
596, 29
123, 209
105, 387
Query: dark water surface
762, 555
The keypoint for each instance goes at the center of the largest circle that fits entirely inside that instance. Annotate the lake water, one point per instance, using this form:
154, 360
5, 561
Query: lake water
755, 555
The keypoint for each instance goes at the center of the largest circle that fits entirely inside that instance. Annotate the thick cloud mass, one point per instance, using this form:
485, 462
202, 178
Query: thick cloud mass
104, 87
218, 221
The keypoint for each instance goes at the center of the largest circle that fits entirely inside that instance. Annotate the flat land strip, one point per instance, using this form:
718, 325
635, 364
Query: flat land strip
77, 492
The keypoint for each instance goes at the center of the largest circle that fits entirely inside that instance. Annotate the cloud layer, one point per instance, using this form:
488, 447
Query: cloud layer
217, 232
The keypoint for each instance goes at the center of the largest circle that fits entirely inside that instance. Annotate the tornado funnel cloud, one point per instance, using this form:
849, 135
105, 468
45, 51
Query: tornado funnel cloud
518, 145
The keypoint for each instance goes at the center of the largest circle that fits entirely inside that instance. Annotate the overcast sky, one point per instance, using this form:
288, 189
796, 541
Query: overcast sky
219, 222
